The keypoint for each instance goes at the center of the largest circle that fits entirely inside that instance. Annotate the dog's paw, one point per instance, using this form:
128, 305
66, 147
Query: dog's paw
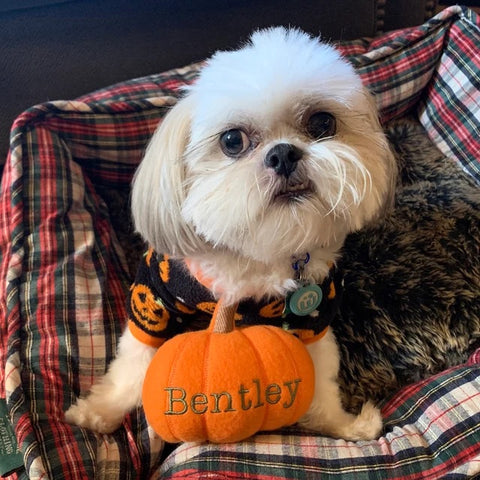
337, 423
367, 425
98, 418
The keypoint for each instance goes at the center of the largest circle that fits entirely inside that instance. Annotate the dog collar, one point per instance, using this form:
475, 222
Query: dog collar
306, 311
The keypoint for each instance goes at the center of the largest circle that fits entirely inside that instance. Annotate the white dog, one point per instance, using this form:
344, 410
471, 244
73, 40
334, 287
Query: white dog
273, 156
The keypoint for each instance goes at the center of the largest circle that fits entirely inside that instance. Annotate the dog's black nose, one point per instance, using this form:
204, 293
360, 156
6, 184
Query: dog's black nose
283, 158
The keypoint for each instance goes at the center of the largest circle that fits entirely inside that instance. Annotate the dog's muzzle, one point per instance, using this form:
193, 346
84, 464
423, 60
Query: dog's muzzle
283, 158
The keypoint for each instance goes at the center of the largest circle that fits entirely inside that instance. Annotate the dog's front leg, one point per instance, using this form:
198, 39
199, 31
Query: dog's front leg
118, 391
326, 413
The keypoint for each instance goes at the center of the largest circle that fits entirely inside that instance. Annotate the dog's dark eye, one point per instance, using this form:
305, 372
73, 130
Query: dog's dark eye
234, 142
321, 125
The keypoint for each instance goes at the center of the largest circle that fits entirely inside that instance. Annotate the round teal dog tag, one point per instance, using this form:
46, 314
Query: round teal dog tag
305, 300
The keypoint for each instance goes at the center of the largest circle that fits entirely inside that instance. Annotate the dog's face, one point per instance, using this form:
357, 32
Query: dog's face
275, 150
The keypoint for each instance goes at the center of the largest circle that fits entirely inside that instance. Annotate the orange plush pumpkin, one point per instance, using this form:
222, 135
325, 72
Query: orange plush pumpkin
225, 384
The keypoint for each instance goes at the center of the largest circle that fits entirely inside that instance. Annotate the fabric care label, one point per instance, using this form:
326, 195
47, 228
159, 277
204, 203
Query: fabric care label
10, 457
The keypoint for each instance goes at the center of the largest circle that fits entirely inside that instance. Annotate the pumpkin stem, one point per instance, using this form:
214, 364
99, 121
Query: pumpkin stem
223, 320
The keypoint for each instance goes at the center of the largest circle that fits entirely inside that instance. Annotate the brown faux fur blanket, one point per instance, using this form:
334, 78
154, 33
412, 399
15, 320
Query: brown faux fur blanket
411, 305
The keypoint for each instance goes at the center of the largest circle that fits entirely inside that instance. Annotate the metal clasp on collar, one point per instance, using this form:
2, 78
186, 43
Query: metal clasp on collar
299, 266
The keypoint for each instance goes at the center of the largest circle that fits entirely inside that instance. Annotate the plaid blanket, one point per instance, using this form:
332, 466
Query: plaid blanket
64, 274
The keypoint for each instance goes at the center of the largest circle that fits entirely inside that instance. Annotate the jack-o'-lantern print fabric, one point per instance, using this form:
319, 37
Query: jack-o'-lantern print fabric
166, 300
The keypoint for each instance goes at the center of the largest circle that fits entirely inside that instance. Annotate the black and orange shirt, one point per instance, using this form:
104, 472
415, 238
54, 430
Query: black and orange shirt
166, 299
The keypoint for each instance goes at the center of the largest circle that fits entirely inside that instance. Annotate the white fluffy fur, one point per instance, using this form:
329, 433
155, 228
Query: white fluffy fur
191, 200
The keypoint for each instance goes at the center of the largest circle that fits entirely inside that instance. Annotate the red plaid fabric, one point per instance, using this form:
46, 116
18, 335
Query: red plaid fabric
434, 70
64, 274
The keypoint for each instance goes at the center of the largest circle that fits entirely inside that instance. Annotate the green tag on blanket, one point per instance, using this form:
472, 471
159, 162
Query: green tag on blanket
10, 458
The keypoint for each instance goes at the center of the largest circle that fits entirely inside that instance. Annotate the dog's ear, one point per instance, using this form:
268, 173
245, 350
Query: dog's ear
158, 186
389, 161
